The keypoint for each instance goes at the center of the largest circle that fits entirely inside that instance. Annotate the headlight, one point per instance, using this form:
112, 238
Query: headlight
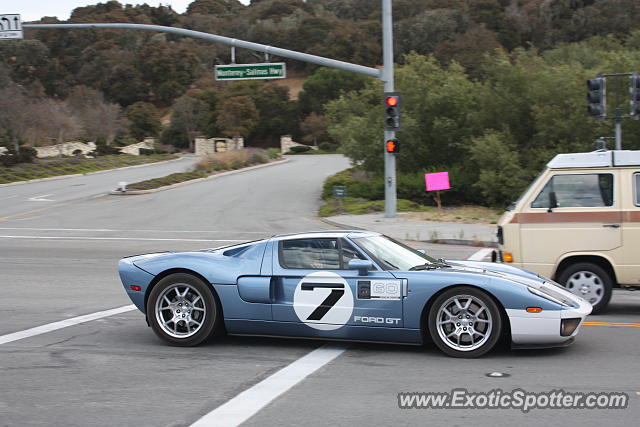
549, 295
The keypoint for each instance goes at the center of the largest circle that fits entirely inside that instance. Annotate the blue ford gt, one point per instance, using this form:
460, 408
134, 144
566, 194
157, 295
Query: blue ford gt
351, 285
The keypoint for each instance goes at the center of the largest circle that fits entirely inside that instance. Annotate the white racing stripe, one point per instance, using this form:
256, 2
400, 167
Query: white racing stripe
38, 330
249, 402
480, 255
120, 238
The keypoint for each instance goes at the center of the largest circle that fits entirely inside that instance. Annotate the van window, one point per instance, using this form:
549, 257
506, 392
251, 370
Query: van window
578, 190
637, 186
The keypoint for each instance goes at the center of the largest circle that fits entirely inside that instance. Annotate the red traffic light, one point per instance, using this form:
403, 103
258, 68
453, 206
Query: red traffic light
392, 146
391, 101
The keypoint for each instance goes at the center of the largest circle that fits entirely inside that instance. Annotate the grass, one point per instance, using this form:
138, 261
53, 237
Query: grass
209, 165
50, 167
455, 214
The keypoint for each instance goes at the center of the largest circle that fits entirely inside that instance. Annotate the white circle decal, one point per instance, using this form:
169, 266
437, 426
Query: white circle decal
323, 300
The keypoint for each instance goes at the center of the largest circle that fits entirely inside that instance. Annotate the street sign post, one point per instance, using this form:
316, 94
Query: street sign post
275, 70
10, 27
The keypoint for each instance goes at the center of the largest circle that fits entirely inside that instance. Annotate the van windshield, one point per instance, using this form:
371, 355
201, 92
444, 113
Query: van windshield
513, 205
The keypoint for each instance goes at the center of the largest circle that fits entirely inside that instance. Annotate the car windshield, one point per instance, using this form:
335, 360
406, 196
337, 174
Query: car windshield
391, 254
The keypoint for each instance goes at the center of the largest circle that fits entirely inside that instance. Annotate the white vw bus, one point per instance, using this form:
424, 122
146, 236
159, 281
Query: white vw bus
579, 224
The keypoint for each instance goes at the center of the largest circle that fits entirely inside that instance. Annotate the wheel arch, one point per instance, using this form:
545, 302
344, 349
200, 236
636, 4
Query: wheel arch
424, 330
171, 271
599, 260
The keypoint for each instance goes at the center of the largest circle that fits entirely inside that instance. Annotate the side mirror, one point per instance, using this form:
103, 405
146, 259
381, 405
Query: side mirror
553, 201
363, 266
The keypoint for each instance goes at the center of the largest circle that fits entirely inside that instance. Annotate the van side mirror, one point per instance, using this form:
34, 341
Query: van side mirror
553, 201
363, 266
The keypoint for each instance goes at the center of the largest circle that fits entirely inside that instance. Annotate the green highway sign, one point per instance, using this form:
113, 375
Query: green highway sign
276, 70
339, 191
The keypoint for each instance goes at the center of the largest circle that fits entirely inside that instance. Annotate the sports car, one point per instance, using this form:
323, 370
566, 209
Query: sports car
348, 285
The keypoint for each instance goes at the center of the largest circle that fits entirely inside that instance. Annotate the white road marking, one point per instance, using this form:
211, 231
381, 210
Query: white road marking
120, 238
249, 402
8, 197
126, 231
49, 327
480, 255
41, 198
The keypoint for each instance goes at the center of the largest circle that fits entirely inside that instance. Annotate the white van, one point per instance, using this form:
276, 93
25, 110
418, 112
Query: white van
579, 224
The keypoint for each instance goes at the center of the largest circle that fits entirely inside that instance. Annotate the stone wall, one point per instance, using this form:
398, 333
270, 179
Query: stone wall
66, 149
134, 149
286, 142
217, 145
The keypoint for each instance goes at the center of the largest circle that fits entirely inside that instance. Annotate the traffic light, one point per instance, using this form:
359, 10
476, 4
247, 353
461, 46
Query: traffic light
597, 97
392, 146
634, 90
391, 111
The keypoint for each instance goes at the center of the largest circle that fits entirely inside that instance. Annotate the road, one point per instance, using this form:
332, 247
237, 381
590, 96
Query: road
60, 262
23, 197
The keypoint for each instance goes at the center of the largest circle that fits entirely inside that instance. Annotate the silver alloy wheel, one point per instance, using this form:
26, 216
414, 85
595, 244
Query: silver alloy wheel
180, 310
464, 322
586, 284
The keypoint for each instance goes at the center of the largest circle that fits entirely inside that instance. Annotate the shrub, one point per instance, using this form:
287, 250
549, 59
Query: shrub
300, 148
327, 146
146, 151
235, 159
102, 149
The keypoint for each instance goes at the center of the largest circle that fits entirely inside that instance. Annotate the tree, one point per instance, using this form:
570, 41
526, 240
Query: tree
144, 120
315, 128
192, 115
98, 118
326, 84
237, 116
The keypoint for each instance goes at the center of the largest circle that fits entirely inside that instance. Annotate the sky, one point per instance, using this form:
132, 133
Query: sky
31, 10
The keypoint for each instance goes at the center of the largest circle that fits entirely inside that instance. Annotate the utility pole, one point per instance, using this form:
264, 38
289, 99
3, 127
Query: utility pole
390, 202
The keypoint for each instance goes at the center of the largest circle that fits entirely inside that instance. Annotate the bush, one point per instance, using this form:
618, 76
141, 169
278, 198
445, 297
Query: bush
234, 159
102, 149
146, 151
327, 146
273, 153
26, 155
300, 148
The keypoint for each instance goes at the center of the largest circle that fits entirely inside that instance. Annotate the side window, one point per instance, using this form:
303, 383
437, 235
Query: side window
636, 181
312, 254
578, 190
348, 253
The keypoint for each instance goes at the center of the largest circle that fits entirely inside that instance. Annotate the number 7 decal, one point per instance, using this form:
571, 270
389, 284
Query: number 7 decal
328, 302
323, 300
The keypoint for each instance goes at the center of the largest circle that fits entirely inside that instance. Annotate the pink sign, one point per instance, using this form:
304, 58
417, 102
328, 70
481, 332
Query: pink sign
437, 181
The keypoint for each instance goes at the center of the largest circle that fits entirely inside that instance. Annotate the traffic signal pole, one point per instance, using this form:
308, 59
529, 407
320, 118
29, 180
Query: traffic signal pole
386, 75
387, 78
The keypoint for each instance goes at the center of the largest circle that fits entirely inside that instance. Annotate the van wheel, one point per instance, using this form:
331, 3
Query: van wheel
589, 281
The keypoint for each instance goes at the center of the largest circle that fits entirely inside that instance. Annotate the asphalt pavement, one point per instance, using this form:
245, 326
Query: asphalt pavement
58, 261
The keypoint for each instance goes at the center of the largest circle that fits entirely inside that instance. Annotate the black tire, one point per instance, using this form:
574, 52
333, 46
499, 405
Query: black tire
596, 275
492, 317
179, 333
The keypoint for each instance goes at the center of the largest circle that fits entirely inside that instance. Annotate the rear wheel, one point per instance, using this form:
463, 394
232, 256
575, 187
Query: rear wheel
182, 310
589, 281
465, 322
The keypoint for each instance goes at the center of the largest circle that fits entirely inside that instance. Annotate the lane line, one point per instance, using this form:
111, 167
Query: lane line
57, 205
619, 324
49, 327
41, 198
144, 239
480, 255
126, 231
246, 404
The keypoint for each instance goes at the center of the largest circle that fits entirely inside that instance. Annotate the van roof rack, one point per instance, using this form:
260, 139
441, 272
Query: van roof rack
595, 159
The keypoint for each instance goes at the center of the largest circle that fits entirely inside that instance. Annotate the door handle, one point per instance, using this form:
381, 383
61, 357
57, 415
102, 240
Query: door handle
611, 225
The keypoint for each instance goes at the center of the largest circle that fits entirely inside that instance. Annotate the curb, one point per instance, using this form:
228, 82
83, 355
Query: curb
193, 181
54, 178
457, 242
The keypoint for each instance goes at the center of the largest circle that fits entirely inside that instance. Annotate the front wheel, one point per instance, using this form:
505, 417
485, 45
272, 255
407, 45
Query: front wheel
182, 310
465, 322
589, 281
